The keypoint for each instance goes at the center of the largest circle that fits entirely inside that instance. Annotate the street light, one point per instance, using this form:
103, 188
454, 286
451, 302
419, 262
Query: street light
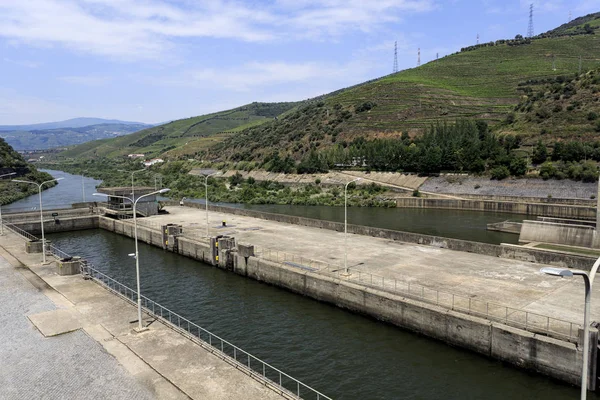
589, 280
132, 172
206, 197
1, 223
346, 272
83, 185
159, 176
41, 211
135, 255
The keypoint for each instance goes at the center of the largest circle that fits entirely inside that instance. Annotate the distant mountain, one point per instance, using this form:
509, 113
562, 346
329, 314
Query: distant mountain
41, 139
70, 123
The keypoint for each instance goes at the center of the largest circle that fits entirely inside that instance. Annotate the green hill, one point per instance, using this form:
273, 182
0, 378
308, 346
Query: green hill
558, 109
11, 161
184, 137
480, 82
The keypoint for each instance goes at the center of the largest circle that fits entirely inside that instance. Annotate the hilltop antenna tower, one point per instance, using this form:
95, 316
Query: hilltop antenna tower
437, 56
530, 28
570, 16
478, 38
419, 57
395, 57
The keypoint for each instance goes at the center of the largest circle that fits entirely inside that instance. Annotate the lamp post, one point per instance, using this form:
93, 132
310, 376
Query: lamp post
132, 173
588, 280
140, 328
159, 176
1, 224
206, 197
41, 210
83, 185
346, 272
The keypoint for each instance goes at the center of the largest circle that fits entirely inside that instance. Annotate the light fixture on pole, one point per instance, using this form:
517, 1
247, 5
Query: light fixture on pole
1, 223
346, 271
83, 185
206, 198
132, 173
588, 280
135, 255
39, 185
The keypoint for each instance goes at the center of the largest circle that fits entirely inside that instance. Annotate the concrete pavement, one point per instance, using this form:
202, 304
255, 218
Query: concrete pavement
84, 345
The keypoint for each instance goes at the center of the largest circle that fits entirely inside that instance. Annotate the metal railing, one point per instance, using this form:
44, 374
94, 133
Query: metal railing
518, 318
15, 229
276, 379
272, 377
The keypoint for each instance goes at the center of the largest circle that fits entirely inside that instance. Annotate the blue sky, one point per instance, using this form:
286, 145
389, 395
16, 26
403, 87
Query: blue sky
159, 60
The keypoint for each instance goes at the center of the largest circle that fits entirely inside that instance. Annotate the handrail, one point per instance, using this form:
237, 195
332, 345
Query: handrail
518, 318
260, 370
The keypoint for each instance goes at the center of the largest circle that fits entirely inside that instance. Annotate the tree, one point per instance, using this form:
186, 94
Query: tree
519, 37
518, 167
500, 173
540, 153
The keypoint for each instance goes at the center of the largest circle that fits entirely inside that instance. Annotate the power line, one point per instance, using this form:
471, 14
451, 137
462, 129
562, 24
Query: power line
395, 57
530, 28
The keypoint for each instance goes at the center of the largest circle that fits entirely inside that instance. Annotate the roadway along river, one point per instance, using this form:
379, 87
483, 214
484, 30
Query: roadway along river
344, 355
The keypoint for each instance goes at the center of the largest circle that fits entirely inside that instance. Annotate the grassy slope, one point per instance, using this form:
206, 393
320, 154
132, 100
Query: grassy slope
182, 137
554, 111
481, 83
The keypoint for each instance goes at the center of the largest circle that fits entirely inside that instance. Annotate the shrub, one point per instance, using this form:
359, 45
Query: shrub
592, 116
500, 173
236, 179
416, 193
318, 181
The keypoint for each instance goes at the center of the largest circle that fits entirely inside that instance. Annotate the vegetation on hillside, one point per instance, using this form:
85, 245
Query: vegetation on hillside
560, 108
11, 161
184, 137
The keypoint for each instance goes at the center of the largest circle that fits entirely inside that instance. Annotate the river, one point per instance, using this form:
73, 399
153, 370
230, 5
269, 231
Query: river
467, 225
341, 354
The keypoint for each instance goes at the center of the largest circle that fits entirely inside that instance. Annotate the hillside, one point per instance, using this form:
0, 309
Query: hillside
558, 109
480, 82
11, 161
184, 137
70, 123
42, 139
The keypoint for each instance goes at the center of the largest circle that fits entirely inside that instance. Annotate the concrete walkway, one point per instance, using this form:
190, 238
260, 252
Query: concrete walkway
477, 277
84, 346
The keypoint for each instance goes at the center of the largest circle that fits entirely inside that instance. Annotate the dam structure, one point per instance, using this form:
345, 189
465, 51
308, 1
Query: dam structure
490, 299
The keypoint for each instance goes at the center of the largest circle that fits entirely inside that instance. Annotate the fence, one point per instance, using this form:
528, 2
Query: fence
518, 318
274, 378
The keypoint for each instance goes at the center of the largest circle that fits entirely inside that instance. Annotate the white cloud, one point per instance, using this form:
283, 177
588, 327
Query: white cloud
139, 29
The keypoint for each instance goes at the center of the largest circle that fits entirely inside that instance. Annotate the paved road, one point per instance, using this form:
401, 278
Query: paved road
67, 366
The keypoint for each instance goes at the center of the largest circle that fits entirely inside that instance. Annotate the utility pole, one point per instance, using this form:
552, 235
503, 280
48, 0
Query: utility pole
570, 16
395, 57
478, 38
553, 63
579, 65
530, 28
419, 57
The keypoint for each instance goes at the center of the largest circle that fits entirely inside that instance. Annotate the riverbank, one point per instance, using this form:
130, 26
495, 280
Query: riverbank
164, 363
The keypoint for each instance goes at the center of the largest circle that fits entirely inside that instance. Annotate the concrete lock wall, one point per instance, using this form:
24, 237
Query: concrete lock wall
550, 210
64, 225
554, 358
552, 232
504, 251
545, 355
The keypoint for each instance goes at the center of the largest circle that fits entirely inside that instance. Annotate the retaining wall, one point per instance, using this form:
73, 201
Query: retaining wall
66, 225
550, 210
557, 233
554, 358
504, 251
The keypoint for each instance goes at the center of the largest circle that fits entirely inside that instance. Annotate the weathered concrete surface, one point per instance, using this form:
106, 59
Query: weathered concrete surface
55, 322
162, 360
512, 283
551, 210
557, 233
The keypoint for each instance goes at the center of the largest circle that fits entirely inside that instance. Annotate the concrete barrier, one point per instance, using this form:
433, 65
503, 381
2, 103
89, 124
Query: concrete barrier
554, 358
557, 233
64, 225
550, 210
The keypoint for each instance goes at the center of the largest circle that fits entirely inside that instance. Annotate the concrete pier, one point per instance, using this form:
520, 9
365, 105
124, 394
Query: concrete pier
85, 347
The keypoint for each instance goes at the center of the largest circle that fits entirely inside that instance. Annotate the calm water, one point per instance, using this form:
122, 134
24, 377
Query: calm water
68, 191
467, 225
344, 355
